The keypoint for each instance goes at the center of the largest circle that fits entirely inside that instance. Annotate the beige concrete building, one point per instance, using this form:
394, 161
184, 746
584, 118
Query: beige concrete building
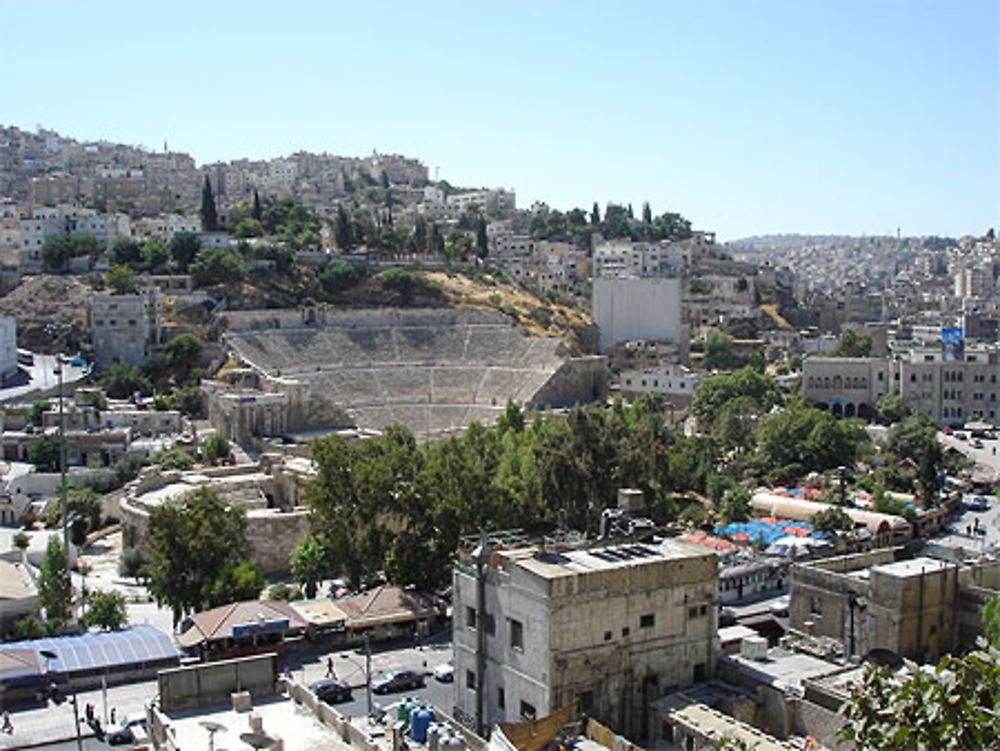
947, 390
878, 600
613, 627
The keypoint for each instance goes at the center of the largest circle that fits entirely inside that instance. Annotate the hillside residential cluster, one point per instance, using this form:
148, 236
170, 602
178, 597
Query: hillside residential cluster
213, 329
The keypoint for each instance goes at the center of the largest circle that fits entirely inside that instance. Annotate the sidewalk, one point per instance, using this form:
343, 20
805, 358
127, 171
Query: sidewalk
41, 725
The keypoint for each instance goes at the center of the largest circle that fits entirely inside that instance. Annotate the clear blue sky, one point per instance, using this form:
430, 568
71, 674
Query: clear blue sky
749, 117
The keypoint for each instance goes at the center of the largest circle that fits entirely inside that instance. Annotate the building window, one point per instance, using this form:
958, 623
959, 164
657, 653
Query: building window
516, 634
527, 711
626, 631
470, 617
816, 605
501, 698
586, 701
699, 672
646, 621
470, 679
607, 636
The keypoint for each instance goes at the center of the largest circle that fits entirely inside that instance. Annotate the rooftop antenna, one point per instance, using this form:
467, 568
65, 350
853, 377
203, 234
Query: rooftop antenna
437, 174
165, 146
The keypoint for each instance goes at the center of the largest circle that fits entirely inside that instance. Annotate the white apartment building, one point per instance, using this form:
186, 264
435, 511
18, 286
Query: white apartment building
124, 327
107, 228
164, 227
495, 200
623, 258
672, 381
612, 627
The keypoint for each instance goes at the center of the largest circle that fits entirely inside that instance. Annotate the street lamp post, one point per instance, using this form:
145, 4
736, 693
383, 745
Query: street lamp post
368, 671
52, 692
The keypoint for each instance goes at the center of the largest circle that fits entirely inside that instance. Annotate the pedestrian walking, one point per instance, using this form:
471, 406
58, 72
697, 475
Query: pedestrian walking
8, 726
329, 668
112, 715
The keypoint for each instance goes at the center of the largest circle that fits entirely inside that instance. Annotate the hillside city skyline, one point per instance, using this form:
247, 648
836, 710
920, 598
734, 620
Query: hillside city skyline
856, 118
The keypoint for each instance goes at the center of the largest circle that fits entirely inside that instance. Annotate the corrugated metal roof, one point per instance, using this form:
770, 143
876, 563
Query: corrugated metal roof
105, 649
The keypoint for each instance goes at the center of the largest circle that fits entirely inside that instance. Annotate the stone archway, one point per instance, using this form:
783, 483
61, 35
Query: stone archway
849, 409
837, 409
865, 412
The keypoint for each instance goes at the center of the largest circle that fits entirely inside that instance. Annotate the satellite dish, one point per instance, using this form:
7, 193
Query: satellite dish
212, 727
257, 740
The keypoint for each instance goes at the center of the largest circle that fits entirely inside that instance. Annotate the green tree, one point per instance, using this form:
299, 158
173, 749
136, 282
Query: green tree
595, 214
173, 458
155, 255
86, 244
283, 592
338, 275
106, 611
991, 619
20, 540
216, 266
196, 545
184, 350
891, 408
125, 252
28, 627
38, 408
734, 505
55, 592
209, 216
715, 392
954, 707
132, 562
56, 252
121, 280
184, 247
215, 448
852, 344
121, 381
719, 351
482, 247
309, 566
833, 519
800, 439
342, 233
647, 213
43, 452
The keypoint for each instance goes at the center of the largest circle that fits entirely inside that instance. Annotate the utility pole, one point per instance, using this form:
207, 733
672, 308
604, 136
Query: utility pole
62, 460
368, 671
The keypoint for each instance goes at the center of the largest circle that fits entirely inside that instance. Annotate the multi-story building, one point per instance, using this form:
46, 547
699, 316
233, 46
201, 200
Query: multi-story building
638, 309
672, 381
612, 627
918, 608
8, 347
124, 327
947, 387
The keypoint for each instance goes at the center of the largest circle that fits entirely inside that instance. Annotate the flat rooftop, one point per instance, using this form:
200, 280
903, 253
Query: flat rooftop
552, 565
295, 724
782, 669
914, 567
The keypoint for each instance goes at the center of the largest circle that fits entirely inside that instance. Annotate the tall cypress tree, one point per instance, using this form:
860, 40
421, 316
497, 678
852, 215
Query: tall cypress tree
595, 214
255, 211
647, 213
209, 218
342, 234
481, 238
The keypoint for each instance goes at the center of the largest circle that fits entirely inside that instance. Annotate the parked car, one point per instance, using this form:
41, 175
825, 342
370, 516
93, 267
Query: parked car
977, 503
976, 443
331, 691
125, 732
445, 672
397, 680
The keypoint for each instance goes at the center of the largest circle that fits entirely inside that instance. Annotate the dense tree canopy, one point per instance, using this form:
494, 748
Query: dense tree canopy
389, 505
197, 556
957, 706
